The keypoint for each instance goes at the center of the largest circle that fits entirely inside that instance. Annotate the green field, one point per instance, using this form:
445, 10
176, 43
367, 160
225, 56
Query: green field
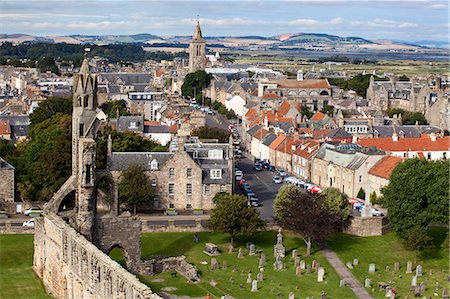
387, 250
17, 279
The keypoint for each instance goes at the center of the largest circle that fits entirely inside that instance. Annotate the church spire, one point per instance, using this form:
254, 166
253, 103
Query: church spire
198, 32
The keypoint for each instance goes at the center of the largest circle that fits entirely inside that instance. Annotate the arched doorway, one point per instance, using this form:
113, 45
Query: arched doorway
118, 254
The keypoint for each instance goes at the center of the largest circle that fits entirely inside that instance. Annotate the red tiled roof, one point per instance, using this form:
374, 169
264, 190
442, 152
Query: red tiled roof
311, 83
173, 128
260, 133
408, 144
151, 123
251, 114
4, 127
385, 166
312, 145
159, 73
277, 142
318, 134
270, 96
284, 108
318, 116
286, 145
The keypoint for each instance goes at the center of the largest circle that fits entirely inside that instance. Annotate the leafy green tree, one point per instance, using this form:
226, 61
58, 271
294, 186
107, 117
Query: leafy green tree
233, 215
358, 83
337, 203
49, 108
44, 163
328, 109
408, 117
285, 194
48, 63
305, 214
306, 111
135, 187
195, 83
207, 132
361, 194
374, 198
6, 148
112, 107
403, 78
417, 195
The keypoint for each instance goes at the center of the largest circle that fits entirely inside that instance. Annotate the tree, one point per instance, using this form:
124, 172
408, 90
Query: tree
337, 203
50, 107
135, 187
207, 132
195, 83
233, 215
361, 194
403, 78
328, 109
306, 111
408, 117
374, 198
417, 195
111, 108
305, 214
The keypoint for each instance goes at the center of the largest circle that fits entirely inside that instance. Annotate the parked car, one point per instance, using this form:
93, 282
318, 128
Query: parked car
272, 168
29, 223
250, 194
289, 179
315, 189
376, 213
277, 180
239, 177
282, 173
258, 167
254, 201
32, 210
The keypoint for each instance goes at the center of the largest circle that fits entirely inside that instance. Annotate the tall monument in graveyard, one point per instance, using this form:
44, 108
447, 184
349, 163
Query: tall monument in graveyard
197, 51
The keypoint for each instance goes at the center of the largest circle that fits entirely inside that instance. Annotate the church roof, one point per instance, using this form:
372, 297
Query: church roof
198, 32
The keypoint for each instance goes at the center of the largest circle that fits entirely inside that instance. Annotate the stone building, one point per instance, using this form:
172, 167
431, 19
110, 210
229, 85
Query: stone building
344, 167
197, 51
6, 182
186, 179
380, 173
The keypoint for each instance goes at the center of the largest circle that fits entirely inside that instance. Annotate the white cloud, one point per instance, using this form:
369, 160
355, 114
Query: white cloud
438, 6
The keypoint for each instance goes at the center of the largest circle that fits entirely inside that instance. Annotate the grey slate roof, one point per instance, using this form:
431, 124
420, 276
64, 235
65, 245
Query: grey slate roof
5, 165
123, 160
339, 133
269, 138
124, 123
156, 129
253, 130
388, 131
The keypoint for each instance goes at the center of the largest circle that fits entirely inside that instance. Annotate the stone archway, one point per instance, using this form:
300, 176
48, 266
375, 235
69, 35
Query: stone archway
106, 194
119, 254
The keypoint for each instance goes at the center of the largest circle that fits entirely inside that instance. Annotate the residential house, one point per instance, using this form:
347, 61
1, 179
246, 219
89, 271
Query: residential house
5, 130
256, 144
236, 103
265, 146
380, 173
284, 151
302, 158
157, 132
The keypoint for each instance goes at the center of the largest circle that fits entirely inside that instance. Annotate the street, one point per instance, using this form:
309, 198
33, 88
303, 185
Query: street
261, 183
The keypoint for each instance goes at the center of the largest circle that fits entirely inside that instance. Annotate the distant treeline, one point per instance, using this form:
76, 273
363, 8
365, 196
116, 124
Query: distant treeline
62, 52
344, 59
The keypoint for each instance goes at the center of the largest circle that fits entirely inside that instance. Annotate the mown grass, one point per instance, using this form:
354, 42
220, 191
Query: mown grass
17, 279
389, 249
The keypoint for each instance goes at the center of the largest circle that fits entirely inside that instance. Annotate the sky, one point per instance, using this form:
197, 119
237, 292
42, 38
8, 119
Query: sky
406, 20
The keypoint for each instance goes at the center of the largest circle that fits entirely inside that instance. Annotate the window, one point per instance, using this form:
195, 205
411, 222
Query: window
133, 124
189, 206
88, 174
360, 178
154, 165
429, 156
216, 174
188, 189
189, 172
444, 155
171, 189
81, 129
171, 206
207, 189
171, 172
215, 154
153, 182
156, 202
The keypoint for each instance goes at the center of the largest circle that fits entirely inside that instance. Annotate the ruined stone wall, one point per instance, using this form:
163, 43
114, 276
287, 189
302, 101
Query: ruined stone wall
6, 185
367, 227
72, 267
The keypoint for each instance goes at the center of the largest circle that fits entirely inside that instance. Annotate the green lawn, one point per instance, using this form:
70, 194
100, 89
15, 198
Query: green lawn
17, 279
385, 251
167, 244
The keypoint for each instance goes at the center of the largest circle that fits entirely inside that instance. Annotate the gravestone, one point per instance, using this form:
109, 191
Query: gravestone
291, 295
225, 265
297, 261
419, 270
430, 272
261, 263
445, 293
249, 277
247, 245
214, 264
254, 286
388, 268
294, 253
349, 265
317, 265
314, 264
240, 253
414, 281
211, 249
408, 267
302, 265
323, 295
298, 271
278, 265
230, 248
388, 292
438, 285
341, 283
396, 266
252, 249
234, 268
422, 286
308, 269
367, 283
278, 249
260, 276
355, 262
320, 274
372, 268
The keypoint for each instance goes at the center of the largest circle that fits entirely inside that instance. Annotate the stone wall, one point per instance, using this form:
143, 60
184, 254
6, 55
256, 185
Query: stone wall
6, 182
367, 227
72, 267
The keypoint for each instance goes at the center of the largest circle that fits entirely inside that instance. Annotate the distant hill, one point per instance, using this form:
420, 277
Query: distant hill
287, 40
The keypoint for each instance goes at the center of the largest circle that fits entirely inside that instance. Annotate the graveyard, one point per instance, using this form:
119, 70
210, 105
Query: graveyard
390, 260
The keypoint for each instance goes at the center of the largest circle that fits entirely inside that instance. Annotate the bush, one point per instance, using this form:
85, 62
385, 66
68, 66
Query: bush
417, 239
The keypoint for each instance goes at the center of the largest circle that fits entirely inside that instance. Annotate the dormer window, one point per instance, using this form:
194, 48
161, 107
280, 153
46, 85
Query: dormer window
154, 165
133, 125
215, 154
216, 174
